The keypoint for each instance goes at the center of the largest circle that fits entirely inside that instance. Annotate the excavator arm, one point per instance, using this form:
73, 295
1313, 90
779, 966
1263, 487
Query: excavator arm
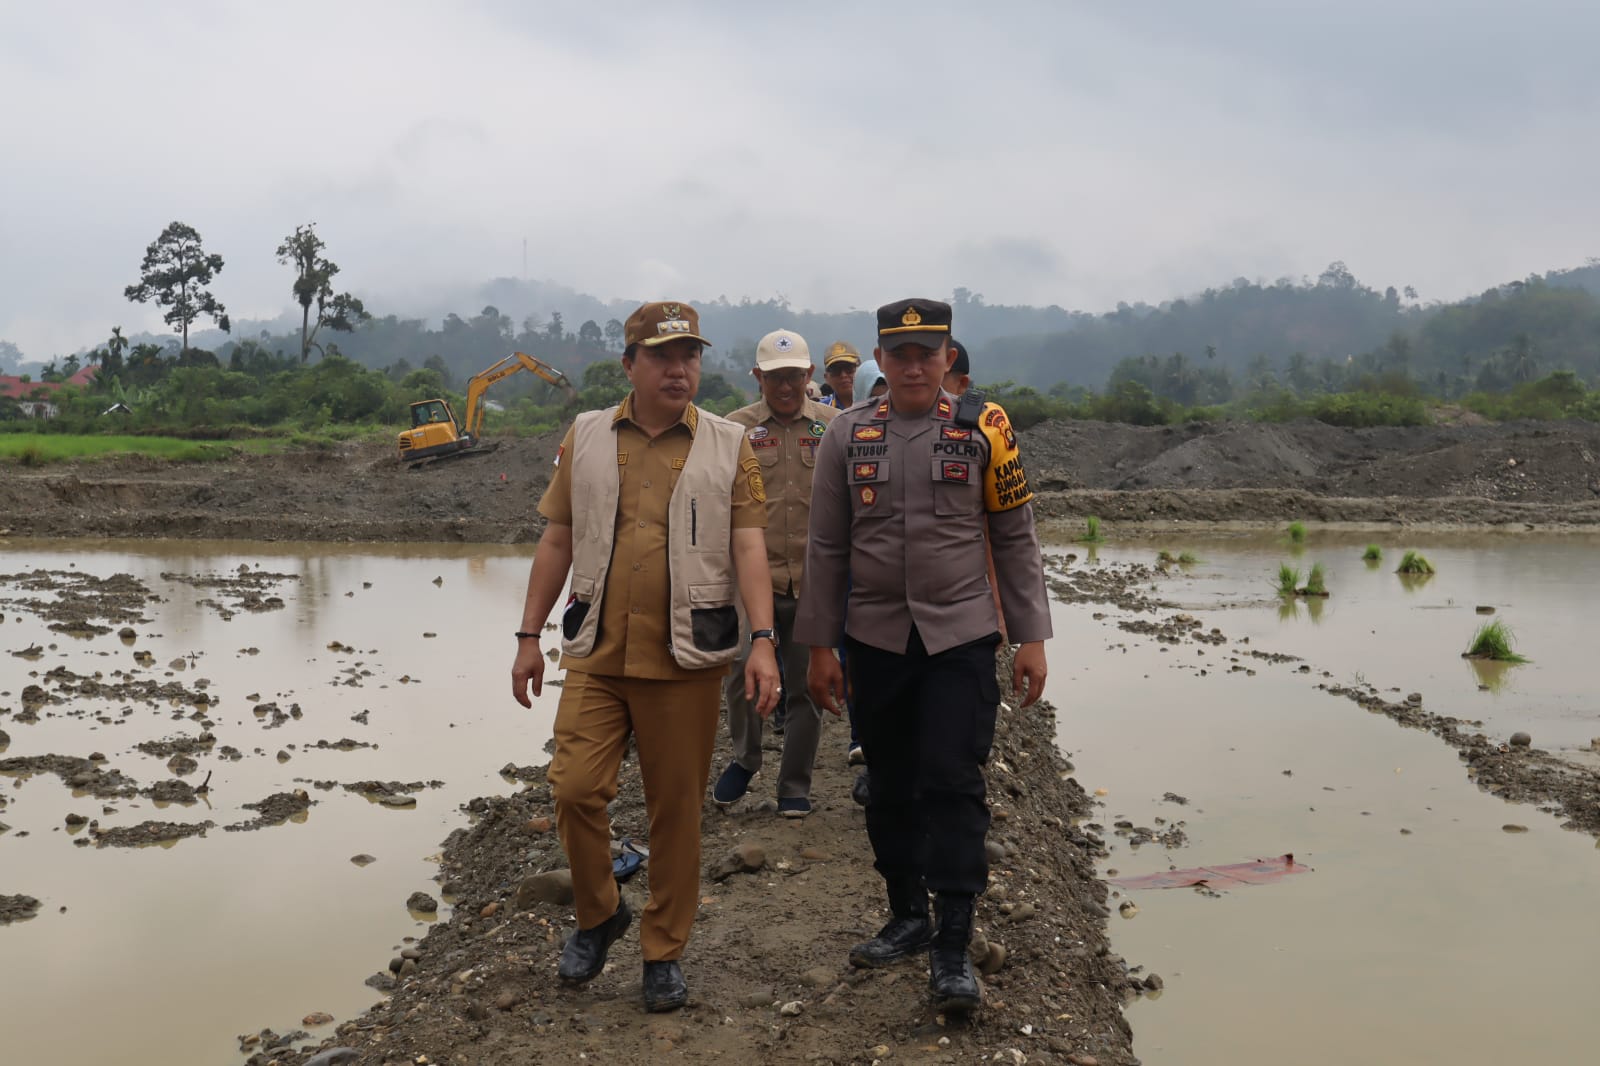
511, 364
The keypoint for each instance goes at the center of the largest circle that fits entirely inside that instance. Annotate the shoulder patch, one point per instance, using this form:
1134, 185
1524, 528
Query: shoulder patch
1005, 482
752, 475
944, 409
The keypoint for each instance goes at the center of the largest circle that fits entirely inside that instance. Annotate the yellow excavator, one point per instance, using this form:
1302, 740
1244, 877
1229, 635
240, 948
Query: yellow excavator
436, 434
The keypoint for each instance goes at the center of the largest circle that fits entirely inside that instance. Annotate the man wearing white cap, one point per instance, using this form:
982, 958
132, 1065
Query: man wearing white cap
784, 428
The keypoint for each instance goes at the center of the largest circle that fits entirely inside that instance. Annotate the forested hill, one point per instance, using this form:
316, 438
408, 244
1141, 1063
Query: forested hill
1316, 334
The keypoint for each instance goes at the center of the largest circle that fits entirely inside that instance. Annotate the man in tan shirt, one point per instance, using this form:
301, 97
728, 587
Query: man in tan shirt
839, 368
784, 429
642, 491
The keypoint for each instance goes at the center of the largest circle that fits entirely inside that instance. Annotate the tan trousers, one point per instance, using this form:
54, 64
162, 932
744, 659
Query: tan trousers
675, 726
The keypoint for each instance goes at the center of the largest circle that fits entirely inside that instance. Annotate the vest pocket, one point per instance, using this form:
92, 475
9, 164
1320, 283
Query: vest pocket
713, 621
578, 605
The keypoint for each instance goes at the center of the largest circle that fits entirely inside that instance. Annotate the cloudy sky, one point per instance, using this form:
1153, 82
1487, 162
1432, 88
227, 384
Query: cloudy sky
837, 154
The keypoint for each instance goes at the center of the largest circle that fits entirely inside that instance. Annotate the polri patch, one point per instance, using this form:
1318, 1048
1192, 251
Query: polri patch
867, 495
954, 433
864, 472
868, 433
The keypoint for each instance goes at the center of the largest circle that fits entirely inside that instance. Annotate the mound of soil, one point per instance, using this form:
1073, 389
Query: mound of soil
481, 985
1518, 472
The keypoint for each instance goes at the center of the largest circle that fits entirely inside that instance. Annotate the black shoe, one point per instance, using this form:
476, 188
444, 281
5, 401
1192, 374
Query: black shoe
664, 986
585, 954
861, 791
731, 785
901, 937
950, 978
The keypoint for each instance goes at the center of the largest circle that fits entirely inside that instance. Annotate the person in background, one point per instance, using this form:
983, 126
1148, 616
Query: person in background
895, 558
959, 379
784, 429
839, 373
650, 499
957, 382
870, 382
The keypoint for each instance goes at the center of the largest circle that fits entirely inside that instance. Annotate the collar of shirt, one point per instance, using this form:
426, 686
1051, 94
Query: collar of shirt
808, 413
690, 419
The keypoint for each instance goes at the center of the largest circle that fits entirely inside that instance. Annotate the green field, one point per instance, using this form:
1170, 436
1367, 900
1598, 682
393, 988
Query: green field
35, 449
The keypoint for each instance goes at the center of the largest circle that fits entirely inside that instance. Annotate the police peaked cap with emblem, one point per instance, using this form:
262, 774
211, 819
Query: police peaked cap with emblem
924, 322
658, 323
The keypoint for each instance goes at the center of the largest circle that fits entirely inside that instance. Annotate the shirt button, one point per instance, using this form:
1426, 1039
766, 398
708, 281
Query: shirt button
636, 610
647, 484
636, 566
641, 523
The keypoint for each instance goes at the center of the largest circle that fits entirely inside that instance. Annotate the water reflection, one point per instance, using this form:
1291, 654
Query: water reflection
1407, 851
1490, 675
302, 924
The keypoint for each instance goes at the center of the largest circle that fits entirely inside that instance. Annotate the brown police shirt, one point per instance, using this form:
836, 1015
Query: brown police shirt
635, 612
787, 451
898, 505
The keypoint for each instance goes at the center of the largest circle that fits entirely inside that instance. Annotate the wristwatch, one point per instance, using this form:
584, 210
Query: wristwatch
770, 634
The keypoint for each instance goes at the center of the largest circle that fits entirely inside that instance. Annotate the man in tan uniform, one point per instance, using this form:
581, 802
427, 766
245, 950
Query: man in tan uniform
784, 429
657, 509
901, 493
839, 368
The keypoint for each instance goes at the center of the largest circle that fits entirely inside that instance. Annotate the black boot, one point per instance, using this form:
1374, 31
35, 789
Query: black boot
664, 986
908, 930
950, 977
585, 954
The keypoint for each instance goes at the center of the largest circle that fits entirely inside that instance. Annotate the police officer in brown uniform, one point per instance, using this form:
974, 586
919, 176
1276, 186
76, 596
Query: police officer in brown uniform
785, 428
900, 496
657, 509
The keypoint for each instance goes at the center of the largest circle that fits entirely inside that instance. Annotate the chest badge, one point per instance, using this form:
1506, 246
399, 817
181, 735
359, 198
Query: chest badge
867, 433
868, 495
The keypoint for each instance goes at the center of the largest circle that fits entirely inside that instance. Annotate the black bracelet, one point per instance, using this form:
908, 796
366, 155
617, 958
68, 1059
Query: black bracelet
520, 635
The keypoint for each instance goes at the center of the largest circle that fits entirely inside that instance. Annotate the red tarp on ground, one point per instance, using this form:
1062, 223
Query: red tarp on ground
1259, 872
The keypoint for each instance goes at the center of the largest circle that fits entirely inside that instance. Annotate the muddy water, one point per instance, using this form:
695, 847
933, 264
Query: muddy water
1426, 932
170, 951
1453, 942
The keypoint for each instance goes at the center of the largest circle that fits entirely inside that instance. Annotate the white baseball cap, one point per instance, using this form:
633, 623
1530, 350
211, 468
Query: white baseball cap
782, 349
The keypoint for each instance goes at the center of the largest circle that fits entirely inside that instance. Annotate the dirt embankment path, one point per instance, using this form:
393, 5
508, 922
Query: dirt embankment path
1544, 474
767, 969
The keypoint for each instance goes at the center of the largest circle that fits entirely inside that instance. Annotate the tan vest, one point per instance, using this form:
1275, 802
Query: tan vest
705, 624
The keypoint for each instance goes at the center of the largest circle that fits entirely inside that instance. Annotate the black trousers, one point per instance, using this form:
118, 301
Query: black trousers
927, 724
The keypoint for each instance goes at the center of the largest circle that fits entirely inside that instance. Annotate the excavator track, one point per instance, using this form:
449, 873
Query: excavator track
465, 453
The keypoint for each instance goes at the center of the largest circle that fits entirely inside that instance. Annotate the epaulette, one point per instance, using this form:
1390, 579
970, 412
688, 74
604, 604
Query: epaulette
969, 409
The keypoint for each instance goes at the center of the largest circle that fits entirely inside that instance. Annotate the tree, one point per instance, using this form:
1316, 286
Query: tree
174, 274
313, 283
614, 335
10, 356
589, 335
